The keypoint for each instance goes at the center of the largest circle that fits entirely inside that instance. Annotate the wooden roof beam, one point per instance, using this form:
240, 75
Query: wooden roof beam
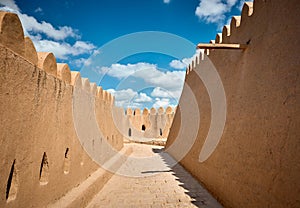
221, 46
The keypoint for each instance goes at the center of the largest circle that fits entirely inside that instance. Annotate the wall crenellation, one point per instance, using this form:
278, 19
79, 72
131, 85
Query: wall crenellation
10, 24
152, 111
153, 123
228, 31
261, 133
40, 149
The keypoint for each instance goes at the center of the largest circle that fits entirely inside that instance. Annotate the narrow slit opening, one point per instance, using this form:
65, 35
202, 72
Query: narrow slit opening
44, 170
67, 161
12, 184
129, 132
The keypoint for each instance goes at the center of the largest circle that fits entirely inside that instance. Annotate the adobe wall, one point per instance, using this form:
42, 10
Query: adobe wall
41, 157
147, 124
256, 162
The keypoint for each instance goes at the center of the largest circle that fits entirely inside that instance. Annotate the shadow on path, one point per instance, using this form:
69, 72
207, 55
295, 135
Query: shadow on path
199, 195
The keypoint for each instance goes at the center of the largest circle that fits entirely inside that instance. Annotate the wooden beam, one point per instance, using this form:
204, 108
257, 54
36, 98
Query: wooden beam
221, 46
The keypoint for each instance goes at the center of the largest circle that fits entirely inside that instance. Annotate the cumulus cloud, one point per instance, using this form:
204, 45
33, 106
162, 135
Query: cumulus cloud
143, 98
182, 64
31, 25
213, 11
62, 50
178, 64
47, 37
159, 92
10, 5
167, 84
162, 102
129, 98
170, 80
80, 62
121, 71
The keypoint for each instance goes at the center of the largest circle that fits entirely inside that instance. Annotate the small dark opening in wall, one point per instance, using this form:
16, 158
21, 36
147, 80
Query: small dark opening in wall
66, 153
12, 184
129, 132
143, 127
160, 132
134, 113
67, 162
44, 170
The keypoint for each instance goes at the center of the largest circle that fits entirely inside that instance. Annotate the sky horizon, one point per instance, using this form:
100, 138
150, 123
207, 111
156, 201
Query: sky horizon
137, 50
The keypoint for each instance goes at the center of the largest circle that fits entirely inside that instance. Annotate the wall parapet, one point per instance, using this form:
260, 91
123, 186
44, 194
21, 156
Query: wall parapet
262, 113
40, 149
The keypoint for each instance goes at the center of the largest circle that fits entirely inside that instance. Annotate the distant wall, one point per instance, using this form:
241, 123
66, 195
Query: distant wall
256, 163
41, 157
147, 124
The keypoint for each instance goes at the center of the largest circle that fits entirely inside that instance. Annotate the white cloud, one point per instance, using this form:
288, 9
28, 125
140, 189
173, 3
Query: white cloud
121, 95
38, 10
80, 62
177, 64
10, 4
31, 25
182, 64
167, 1
170, 80
129, 98
166, 84
213, 11
158, 92
164, 102
62, 50
48, 38
143, 98
122, 71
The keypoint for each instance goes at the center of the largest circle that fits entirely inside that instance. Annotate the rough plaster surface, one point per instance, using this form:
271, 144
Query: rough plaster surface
256, 163
41, 156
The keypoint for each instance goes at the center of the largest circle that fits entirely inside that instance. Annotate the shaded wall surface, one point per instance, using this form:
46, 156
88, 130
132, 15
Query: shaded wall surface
41, 156
256, 162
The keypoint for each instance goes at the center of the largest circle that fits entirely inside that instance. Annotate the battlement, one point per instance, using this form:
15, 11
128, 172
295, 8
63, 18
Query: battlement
152, 111
41, 101
239, 26
153, 123
247, 77
46, 61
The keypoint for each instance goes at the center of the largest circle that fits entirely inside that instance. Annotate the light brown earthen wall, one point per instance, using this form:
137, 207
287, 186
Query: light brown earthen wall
256, 163
157, 123
37, 122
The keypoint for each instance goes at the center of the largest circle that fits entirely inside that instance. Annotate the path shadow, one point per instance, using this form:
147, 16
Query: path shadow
157, 150
156, 171
193, 188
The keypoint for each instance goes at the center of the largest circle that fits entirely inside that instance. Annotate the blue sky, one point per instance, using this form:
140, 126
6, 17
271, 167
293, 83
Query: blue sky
137, 50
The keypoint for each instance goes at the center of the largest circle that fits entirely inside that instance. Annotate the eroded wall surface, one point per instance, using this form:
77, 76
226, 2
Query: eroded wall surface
256, 162
41, 156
